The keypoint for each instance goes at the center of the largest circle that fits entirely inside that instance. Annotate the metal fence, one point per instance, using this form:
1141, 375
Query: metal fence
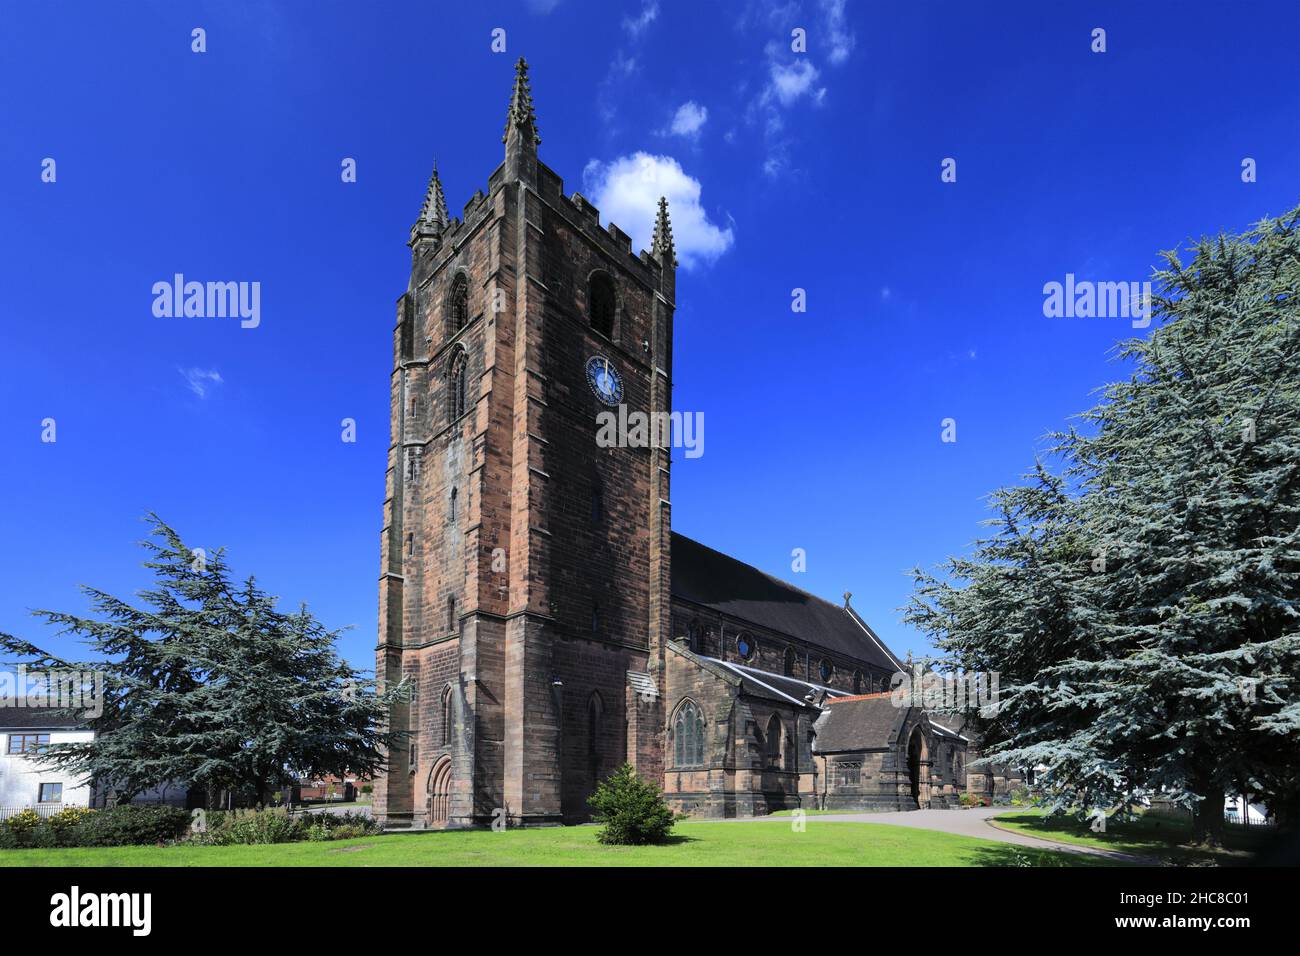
42, 810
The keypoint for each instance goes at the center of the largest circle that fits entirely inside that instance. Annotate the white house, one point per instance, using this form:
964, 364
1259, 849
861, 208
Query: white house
26, 780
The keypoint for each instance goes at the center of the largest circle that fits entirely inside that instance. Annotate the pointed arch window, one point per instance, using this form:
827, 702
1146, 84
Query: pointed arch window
788, 664
688, 736
595, 713
858, 686
602, 303
451, 506
693, 638
445, 710
456, 393
774, 745
458, 305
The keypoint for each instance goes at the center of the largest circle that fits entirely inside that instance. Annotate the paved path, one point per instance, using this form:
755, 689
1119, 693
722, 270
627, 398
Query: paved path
974, 822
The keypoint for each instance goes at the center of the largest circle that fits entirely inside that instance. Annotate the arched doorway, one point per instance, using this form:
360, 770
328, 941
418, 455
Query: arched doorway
918, 769
439, 792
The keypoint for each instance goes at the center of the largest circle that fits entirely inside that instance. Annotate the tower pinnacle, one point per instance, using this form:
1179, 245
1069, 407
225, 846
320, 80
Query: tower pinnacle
433, 214
661, 245
520, 113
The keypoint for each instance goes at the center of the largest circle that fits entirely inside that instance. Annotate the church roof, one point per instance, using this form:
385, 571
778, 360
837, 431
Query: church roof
720, 582
865, 722
759, 683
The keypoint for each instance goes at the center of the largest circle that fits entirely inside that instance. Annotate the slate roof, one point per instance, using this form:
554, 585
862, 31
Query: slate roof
864, 722
37, 718
720, 582
757, 683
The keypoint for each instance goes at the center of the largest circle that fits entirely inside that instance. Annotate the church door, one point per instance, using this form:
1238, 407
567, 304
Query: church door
439, 792
916, 768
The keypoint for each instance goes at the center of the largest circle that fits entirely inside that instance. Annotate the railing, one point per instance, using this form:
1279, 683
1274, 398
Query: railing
42, 810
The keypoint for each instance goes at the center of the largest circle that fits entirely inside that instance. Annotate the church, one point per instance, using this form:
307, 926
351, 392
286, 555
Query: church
550, 623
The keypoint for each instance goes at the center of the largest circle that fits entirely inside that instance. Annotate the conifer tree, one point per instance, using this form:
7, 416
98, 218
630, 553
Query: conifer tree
1140, 603
208, 685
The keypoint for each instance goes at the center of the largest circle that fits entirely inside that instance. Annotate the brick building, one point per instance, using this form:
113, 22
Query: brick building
550, 623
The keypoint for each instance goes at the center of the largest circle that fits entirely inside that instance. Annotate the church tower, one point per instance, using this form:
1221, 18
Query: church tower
525, 568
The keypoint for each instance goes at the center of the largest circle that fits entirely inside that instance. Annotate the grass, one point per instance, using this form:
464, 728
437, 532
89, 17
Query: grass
1153, 835
693, 844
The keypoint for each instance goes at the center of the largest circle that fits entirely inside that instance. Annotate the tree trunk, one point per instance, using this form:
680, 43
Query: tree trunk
1207, 818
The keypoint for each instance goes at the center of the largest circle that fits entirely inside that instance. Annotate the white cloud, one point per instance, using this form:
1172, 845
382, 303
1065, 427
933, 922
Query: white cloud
627, 191
840, 39
649, 13
789, 82
688, 120
200, 380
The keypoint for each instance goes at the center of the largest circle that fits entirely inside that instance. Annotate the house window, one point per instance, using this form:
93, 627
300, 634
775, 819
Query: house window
458, 305
602, 303
413, 758
451, 507
412, 464
595, 619
826, 669
693, 638
745, 645
410, 543
51, 793
788, 664
456, 386
850, 773
451, 613
27, 743
858, 686
688, 736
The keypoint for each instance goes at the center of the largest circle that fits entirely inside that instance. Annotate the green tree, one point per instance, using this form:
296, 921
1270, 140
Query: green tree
632, 810
1140, 603
208, 684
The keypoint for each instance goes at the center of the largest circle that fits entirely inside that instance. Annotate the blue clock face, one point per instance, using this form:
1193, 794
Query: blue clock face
605, 382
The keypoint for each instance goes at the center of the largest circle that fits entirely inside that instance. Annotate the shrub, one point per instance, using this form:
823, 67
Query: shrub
276, 825
127, 825
78, 826
632, 810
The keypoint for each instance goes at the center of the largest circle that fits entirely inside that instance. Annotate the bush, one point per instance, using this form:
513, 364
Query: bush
633, 811
78, 826
128, 825
276, 825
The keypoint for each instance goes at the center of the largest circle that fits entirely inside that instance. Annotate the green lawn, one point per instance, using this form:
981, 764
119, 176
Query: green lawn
1151, 835
695, 844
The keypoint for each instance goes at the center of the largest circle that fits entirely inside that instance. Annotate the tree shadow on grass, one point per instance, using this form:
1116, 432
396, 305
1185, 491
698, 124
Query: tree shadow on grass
1011, 855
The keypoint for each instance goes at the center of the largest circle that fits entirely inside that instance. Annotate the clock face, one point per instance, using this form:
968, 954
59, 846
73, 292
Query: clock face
605, 382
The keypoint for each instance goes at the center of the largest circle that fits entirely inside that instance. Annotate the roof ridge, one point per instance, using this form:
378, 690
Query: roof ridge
840, 700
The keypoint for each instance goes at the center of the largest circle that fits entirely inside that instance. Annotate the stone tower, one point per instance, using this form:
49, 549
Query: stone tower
524, 587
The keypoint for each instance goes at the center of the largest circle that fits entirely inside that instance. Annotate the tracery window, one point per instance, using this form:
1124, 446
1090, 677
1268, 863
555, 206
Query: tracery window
688, 736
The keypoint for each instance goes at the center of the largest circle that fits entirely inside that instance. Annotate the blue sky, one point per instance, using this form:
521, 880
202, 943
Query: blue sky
816, 170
